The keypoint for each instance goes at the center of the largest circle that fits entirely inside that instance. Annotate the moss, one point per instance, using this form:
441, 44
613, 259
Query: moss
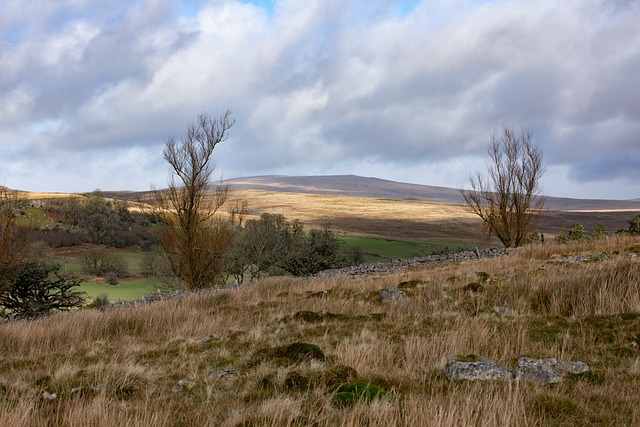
467, 358
285, 355
483, 276
348, 395
313, 317
338, 375
296, 381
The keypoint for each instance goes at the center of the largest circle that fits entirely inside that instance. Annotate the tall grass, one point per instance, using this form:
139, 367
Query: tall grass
118, 367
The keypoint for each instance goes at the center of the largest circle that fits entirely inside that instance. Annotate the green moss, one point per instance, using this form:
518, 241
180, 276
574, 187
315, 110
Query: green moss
296, 381
288, 354
348, 395
467, 358
483, 276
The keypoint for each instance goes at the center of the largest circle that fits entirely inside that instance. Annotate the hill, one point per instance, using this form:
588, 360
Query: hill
357, 186
328, 352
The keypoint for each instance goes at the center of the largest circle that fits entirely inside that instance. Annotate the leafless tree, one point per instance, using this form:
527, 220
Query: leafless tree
509, 199
192, 232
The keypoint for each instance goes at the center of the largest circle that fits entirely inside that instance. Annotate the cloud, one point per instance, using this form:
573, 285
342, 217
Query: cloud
376, 87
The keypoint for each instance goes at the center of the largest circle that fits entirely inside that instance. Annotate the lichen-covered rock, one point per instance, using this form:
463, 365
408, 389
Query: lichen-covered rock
475, 368
392, 294
547, 371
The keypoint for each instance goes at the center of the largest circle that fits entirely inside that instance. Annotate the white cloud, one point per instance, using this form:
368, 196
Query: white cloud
383, 88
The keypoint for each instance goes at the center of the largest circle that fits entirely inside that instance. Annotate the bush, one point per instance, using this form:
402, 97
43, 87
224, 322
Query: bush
599, 232
39, 290
101, 262
100, 301
634, 225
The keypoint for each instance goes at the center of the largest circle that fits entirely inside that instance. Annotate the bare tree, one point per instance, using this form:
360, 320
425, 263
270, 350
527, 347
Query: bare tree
509, 200
192, 232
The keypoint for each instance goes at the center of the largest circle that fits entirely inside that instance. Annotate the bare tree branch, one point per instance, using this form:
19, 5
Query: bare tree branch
192, 233
509, 199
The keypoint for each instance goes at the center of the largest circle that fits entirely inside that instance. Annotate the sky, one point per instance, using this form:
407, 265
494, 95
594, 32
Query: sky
405, 90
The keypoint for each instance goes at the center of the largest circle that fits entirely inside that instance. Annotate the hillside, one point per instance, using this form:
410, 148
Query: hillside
329, 352
376, 207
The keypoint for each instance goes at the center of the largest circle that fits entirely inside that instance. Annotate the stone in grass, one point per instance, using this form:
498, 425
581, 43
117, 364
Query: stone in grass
180, 385
547, 371
349, 394
49, 396
475, 368
392, 294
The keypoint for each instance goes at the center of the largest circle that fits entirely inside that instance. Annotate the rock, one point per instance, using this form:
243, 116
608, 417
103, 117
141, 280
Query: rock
475, 368
224, 373
204, 339
599, 256
49, 396
541, 371
392, 294
504, 311
180, 385
445, 295
547, 371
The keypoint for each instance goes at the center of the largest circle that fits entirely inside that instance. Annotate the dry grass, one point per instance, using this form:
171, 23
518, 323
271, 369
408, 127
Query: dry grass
124, 363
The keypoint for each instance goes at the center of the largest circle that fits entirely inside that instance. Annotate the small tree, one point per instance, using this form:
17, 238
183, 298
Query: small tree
577, 233
509, 200
599, 232
634, 225
101, 262
191, 232
38, 290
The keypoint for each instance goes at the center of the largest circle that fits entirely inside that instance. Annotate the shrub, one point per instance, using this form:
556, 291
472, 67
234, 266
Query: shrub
599, 232
100, 262
634, 225
39, 290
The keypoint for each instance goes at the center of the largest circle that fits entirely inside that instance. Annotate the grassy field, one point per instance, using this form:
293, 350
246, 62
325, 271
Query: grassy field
380, 249
227, 358
125, 290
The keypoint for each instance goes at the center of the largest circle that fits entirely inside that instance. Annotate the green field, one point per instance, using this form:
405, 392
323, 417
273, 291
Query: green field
126, 290
378, 249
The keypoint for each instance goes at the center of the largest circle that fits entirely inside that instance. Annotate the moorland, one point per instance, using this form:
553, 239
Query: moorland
289, 351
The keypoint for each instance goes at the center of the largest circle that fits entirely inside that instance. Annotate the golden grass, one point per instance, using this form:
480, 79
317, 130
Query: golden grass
123, 363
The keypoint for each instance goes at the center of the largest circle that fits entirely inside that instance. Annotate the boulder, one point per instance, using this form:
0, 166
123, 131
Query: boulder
541, 371
475, 368
547, 371
392, 294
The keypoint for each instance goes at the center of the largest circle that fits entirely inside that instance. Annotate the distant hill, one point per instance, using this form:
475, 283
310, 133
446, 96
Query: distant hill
357, 186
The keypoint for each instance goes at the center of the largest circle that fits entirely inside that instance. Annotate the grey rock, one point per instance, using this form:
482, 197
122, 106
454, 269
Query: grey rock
49, 396
542, 371
204, 339
547, 371
599, 256
481, 369
180, 385
392, 294
504, 311
224, 373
